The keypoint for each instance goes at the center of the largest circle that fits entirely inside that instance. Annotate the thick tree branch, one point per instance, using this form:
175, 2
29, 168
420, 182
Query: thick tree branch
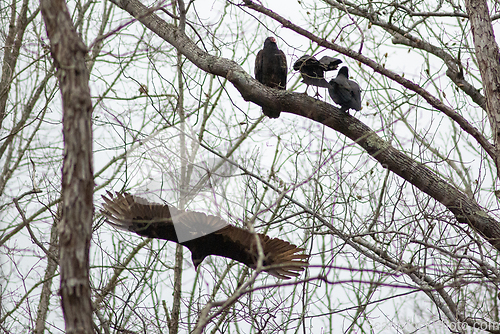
455, 68
432, 100
465, 209
488, 60
75, 227
13, 43
454, 72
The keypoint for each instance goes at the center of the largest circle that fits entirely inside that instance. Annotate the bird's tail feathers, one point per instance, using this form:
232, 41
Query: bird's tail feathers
317, 82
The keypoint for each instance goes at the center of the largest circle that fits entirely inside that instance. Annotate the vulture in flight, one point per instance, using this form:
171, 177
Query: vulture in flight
270, 70
345, 92
153, 220
313, 71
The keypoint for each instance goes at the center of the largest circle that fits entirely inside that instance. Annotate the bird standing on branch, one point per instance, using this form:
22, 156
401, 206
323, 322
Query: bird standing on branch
313, 71
345, 92
270, 70
159, 221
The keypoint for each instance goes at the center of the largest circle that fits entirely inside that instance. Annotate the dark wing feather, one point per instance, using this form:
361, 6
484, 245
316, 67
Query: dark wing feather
312, 71
329, 63
258, 66
345, 92
155, 221
301, 62
135, 214
283, 69
355, 95
340, 94
271, 70
240, 245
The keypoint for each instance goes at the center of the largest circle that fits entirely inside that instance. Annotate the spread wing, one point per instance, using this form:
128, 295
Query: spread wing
329, 63
302, 61
134, 214
287, 260
312, 71
157, 221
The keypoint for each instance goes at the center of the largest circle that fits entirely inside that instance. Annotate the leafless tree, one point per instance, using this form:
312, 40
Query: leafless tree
397, 204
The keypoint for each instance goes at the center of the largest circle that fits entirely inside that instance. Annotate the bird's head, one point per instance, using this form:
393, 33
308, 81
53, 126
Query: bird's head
344, 71
270, 41
197, 260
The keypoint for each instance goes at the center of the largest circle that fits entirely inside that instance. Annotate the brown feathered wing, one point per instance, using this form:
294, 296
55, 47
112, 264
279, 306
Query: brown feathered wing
152, 220
271, 70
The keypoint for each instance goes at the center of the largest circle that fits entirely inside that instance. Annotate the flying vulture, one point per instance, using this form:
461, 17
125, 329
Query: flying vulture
270, 70
345, 92
313, 71
153, 220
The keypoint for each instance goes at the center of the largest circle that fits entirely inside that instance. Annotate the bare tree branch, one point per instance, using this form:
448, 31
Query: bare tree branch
43, 304
13, 44
432, 100
465, 209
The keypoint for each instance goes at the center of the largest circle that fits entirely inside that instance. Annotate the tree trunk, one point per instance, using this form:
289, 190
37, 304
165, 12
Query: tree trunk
13, 43
75, 227
488, 59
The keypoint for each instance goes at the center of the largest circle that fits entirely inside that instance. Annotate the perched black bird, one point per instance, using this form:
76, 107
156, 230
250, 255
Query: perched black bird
152, 220
345, 92
270, 70
313, 71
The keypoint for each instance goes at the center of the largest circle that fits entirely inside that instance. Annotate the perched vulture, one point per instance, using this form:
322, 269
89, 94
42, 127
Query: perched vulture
345, 92
313, 71
270, 70
152, 220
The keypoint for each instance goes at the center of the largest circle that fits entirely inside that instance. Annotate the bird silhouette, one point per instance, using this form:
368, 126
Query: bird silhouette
271, 70
345, 92
152, 220
313, 71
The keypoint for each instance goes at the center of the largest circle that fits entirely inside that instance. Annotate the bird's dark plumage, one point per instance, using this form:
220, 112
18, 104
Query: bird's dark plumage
329, 63
345, 92
313, 71
271, 70
151, 220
